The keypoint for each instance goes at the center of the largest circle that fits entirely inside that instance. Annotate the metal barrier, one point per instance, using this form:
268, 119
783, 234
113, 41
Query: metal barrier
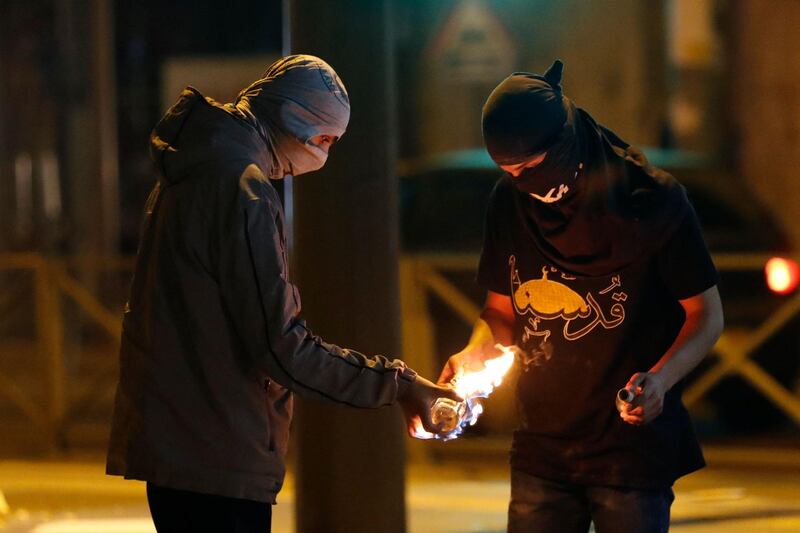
734, 349
422, 275
52, 283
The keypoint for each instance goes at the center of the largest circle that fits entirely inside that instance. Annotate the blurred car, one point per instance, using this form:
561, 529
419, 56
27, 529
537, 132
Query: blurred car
442, 204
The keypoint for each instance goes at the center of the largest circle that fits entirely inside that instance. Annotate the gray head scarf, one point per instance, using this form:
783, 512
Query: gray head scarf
298, 97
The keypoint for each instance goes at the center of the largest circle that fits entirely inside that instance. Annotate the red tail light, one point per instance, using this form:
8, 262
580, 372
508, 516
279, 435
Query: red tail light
782, 274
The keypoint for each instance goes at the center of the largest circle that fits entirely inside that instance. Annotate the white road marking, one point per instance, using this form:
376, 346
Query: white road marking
4, 508
96, 525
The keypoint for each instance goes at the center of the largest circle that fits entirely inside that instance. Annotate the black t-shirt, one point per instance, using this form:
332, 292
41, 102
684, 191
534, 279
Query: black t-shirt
582, 338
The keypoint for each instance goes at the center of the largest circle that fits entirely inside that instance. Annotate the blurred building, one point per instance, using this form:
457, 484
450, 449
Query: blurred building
708, 76
704, 75
83, 82
80, 89
455, 52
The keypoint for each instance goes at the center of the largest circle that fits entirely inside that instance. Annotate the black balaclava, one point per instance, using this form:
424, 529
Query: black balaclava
523, 115
594, 204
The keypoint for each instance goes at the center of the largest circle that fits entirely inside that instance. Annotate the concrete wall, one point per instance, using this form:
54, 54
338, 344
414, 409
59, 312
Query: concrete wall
765, 81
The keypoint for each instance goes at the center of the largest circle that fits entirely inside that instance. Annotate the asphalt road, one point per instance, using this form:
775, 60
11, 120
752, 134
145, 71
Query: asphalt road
743, 490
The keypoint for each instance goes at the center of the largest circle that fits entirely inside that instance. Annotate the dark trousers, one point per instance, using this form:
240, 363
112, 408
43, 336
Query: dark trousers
542, 506
180, 511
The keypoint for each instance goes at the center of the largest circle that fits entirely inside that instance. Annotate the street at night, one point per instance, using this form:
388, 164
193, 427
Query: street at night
399, 266
743, 489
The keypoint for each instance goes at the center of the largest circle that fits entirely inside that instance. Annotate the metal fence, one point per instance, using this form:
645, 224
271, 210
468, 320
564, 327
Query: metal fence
424, 275
59, 280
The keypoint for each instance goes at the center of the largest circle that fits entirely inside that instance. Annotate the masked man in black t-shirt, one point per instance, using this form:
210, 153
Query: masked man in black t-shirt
595, 266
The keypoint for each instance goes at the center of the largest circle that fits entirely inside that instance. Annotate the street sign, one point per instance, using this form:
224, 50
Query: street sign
472, 45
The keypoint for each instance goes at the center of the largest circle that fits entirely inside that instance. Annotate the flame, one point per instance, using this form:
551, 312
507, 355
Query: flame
419, 432
473, 385
481, 383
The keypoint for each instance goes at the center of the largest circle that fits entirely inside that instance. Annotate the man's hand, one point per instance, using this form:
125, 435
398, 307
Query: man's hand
649, 390
466, 360
418, 400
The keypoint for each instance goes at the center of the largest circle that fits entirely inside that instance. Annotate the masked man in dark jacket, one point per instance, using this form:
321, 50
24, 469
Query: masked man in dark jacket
596, 268
213, 346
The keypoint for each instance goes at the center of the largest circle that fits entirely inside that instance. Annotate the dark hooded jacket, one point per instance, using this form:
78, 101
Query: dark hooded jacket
212, 346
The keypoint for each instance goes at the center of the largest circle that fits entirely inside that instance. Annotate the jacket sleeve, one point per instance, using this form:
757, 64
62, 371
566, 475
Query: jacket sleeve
286, 349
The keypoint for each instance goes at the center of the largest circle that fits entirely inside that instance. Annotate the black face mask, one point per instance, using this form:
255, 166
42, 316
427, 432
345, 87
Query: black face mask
554, 180
594, 204
590, 207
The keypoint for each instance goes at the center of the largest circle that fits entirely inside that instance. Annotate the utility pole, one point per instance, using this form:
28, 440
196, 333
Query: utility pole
349, 463
105, 124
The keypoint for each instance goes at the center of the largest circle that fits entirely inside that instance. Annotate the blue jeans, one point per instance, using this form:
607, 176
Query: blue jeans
542, 506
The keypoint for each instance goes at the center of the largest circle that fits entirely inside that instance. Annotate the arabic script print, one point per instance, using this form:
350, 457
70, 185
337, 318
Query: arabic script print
547, 301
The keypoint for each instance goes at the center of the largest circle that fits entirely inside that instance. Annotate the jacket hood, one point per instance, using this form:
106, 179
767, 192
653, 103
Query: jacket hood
271, 122
198, 131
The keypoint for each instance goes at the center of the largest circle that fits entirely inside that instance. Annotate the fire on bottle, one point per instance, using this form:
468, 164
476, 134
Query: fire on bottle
457, 416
